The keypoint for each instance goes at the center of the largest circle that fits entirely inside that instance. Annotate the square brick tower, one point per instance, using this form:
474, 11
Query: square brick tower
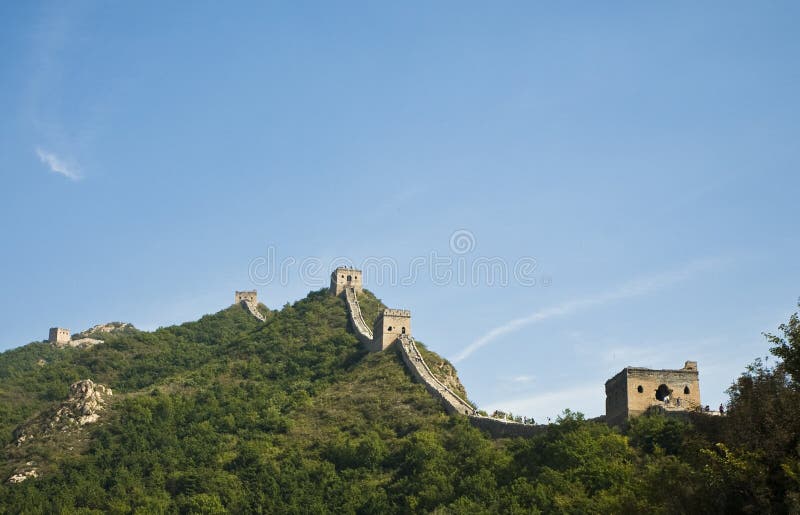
59, 335
389, 326
633, 390
344, 277
246, 296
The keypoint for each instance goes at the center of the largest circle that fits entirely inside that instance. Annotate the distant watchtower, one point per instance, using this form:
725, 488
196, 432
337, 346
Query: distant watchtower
391, 323
246, 296
344, 277
59, 335
633, 390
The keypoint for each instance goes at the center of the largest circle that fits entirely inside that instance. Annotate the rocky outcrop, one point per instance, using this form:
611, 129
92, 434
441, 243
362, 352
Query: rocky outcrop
86, 402
24, 473
111, 327
446, 373
79, 343
88, 338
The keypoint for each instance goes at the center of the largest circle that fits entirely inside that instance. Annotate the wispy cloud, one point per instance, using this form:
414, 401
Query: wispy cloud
635, 288
58, 165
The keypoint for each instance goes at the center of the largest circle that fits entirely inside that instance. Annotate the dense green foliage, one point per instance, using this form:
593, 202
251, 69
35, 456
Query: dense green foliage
229, 414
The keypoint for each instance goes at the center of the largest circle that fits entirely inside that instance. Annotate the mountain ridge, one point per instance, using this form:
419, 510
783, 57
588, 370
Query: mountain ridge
231, 414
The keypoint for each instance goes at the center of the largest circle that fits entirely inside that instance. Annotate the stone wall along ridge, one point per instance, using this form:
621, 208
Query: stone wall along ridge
416, 364
453, 403
363, 332
252, 307
419, 369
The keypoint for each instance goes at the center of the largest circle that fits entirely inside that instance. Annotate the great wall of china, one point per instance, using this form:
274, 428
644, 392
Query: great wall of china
363, 332
394, 326
249, 299
627, 393
348, 281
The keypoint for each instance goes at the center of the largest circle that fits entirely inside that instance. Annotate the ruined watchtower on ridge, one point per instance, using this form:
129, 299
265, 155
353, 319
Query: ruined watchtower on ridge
633, 390
59, 335
344, 277
389, 325
246, 296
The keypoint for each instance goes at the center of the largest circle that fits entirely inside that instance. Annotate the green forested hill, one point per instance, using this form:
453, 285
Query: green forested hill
230, 414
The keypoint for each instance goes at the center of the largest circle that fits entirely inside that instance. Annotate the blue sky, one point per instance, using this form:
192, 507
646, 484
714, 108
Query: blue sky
642, 158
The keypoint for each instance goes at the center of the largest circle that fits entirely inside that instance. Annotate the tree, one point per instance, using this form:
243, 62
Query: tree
788, 347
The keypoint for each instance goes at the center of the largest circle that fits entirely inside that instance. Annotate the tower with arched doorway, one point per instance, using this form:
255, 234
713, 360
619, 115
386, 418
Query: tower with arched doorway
344, 277
390, 324
634, 390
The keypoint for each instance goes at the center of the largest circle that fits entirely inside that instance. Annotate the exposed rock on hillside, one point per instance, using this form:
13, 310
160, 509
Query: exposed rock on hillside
444, 372
80, 343
111, 327
447, 374
86, 402
24, 473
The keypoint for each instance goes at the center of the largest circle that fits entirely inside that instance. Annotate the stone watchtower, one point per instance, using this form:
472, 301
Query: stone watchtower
633, 390
59, 335
246, 296
344, 277
390, 324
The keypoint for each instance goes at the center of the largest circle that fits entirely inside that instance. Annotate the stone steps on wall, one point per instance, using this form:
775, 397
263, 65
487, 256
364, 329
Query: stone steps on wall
363, 331
419, 369
252, 307
416, 364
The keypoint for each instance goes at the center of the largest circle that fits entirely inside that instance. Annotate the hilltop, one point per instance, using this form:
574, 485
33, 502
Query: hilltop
297, 383
289, 414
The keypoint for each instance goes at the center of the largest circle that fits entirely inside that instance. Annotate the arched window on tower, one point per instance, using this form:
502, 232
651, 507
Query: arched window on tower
662, 392
403, 330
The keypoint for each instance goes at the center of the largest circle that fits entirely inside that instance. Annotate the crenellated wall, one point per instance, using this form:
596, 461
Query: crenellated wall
499, 428
249, 299
361, 328
419, 369
454, 404
416, 365
252, 307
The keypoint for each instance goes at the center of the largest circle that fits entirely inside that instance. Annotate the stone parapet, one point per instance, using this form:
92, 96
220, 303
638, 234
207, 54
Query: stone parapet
388, 312
361, 328
499, 428
413, 360
252, 307
419, 369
